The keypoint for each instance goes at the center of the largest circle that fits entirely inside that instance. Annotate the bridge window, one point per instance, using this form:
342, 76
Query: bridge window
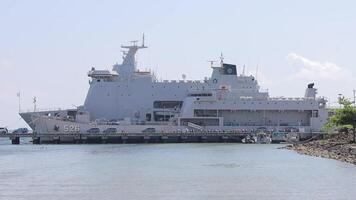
205, 113
167, 104
200, 95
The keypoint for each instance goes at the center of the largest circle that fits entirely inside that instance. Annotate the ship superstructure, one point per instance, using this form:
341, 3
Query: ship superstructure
127, 99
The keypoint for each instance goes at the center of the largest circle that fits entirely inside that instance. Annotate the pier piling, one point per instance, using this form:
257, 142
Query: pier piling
15, 140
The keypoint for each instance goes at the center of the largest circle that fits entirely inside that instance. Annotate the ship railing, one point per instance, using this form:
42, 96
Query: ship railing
129, 123
40, 110
290, 98
181, 81
267, 125
63, 118
251, 98
151, 123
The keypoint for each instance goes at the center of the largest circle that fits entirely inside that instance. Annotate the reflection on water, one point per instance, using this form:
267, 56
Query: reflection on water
226, 165
169, 171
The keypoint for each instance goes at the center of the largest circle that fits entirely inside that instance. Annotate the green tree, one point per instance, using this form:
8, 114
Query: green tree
344, 118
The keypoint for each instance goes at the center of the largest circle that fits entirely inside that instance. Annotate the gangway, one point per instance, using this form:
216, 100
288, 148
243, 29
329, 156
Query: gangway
195, 126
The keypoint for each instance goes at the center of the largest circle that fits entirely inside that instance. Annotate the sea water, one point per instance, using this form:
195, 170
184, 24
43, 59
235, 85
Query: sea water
169, 171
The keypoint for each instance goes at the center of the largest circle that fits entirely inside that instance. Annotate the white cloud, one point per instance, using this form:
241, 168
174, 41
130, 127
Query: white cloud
313, 70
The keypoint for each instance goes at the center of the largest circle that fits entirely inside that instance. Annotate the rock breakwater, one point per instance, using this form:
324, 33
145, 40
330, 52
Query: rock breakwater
336, 147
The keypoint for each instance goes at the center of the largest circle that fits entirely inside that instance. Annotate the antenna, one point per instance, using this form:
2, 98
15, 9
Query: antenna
124, 53
19, 96
211, 62
184, 76
256, 72
34, 104
134, 42
221, 59
143, 39
243, 70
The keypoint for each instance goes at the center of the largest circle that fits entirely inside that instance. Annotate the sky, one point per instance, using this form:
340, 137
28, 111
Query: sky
47, 47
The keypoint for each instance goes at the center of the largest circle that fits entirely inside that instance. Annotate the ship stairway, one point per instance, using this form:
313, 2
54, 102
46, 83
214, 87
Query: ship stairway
195, 126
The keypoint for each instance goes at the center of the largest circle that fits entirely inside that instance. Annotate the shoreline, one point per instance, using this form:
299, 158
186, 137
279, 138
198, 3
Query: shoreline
337, 147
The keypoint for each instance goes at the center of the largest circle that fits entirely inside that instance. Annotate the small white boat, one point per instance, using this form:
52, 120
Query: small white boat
249, 139
263, 138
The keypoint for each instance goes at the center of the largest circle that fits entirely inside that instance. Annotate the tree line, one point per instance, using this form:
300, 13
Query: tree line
344, 118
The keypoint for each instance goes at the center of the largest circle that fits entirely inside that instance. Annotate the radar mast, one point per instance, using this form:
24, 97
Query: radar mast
128, 65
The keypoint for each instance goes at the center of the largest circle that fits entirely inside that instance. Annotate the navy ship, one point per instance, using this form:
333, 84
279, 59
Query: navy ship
127, 99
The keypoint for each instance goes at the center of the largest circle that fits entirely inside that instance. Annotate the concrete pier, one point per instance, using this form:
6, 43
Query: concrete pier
121, 138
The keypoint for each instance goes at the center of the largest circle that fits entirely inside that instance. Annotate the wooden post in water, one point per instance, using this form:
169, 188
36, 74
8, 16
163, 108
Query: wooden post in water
36, 140
15, 140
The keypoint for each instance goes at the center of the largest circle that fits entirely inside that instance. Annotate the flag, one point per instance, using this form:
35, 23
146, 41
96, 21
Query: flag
18, 94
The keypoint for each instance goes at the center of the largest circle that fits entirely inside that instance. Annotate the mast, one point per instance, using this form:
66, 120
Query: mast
221, 60
128, 65
34, 104
19, 97
211, 63
143, 39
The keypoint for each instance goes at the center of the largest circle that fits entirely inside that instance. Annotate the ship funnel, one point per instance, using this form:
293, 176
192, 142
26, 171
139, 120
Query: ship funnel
310, 92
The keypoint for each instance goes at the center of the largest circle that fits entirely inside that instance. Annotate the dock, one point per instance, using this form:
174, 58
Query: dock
122, 138
136, 138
